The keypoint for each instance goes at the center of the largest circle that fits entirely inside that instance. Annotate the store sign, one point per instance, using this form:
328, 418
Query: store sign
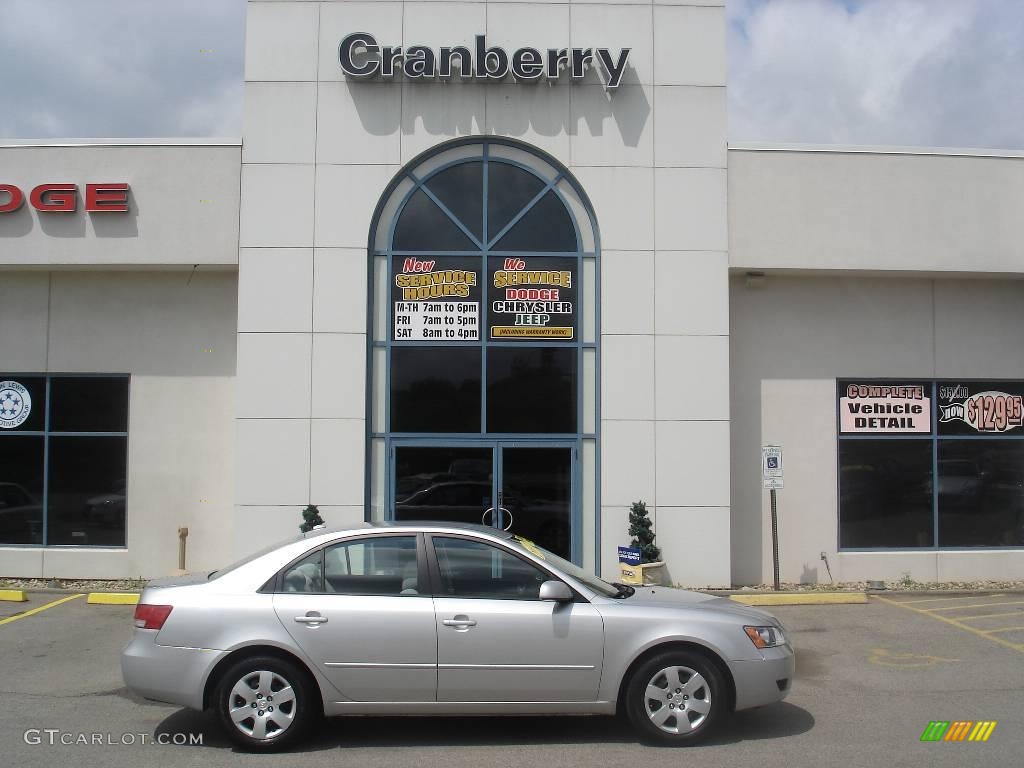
532, 298
361, 56
15, 404
884, 408
436, 299
987, 407
63, 198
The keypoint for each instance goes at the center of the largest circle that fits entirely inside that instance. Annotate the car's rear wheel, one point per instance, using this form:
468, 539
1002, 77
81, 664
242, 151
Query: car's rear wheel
676, 697
265, 703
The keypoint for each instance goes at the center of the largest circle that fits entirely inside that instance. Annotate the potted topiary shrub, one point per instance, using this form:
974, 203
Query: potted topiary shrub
650, 569
311, 519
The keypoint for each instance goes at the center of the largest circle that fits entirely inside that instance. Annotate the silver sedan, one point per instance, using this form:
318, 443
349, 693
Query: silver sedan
420, 619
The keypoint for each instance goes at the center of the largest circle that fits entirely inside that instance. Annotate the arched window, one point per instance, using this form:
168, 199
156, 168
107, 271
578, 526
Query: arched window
482, 393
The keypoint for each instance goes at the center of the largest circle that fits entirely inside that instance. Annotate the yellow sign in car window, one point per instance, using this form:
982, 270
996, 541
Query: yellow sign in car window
530, 547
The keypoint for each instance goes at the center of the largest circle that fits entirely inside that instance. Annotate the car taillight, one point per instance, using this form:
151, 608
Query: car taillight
151, 616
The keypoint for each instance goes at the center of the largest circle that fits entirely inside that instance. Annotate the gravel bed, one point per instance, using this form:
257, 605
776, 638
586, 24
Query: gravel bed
899, 585
75, 585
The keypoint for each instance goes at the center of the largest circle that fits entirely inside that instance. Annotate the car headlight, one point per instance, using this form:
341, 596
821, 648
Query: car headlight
765, 637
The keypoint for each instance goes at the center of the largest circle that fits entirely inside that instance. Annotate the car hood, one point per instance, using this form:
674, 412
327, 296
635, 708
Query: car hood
668, 597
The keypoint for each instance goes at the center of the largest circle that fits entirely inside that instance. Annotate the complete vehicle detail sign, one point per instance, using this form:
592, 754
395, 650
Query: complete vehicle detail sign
884, 408
361, 56
436, 299
532, 298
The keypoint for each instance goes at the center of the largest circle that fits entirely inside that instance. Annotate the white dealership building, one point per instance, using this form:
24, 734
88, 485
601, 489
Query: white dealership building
496, 262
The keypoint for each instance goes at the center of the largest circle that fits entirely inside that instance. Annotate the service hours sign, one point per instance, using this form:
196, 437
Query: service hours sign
436, 299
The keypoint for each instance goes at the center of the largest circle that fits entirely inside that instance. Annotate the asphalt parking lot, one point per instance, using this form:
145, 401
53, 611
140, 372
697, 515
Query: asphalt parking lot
869, 680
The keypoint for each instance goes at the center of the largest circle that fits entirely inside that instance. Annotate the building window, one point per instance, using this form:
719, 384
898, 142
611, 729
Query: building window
483, 273
930, 464
63, 459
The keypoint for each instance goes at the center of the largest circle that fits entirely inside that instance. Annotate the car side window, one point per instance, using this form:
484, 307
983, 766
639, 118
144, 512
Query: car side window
377, 565
305, 575
477, 569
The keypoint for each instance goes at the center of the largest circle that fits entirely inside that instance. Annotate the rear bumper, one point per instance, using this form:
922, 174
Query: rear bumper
765, 681
166, 673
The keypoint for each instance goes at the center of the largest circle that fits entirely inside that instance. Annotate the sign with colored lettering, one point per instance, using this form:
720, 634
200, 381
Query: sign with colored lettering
884, 407
436, 299
980, 407
531, 298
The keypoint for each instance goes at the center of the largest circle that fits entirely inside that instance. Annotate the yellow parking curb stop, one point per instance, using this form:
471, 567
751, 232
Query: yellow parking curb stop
112, 598
804, 598
13, 595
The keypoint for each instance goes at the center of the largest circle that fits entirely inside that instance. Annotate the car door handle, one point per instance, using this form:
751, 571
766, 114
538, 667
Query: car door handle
460, 623
311, 618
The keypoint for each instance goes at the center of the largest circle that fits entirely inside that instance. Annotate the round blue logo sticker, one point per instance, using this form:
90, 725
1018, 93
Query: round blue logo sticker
15, 404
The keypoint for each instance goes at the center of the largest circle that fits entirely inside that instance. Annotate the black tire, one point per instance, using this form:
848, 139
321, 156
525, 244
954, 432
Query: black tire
702, 699
300, 712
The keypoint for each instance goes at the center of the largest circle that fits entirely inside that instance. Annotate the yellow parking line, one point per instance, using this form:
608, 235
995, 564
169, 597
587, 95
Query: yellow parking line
986, 616
948, 597
1019, 647
1004, 629
976, 605
9, 619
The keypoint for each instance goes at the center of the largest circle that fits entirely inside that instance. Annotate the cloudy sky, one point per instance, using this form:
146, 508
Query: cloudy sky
903, 72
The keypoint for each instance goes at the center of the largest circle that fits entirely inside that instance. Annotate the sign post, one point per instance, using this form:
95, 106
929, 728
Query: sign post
771, 476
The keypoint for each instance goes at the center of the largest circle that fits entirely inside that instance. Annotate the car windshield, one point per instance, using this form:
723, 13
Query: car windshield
600, 586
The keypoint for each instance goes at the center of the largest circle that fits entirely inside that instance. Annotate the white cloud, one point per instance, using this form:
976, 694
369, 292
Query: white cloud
904, 72
121, 68
897, 72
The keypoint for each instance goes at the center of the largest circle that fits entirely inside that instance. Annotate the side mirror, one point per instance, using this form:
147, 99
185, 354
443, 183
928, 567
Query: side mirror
555, 591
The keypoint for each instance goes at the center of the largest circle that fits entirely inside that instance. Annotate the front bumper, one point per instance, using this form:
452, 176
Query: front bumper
765, 681
167, 673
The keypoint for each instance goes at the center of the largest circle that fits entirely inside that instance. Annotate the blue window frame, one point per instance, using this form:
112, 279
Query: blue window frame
483, 205
63, 459
930, 464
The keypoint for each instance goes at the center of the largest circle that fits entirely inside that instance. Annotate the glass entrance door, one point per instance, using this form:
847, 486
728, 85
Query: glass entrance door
519, 487
535, 495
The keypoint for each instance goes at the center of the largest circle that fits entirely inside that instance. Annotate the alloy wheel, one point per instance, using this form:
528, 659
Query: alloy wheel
677, 699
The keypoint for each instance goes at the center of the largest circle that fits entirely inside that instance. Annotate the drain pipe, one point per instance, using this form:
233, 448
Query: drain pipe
182, 535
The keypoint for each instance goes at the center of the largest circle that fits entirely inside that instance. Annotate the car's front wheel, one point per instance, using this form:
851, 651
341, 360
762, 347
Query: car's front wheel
265, 703
676, 697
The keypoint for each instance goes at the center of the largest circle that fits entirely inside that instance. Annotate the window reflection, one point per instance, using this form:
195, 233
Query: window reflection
981, 493
531, 389
443, 483
435, 389
509, 190
461, 189
422, 226
21, 489
86, 502
885, 498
